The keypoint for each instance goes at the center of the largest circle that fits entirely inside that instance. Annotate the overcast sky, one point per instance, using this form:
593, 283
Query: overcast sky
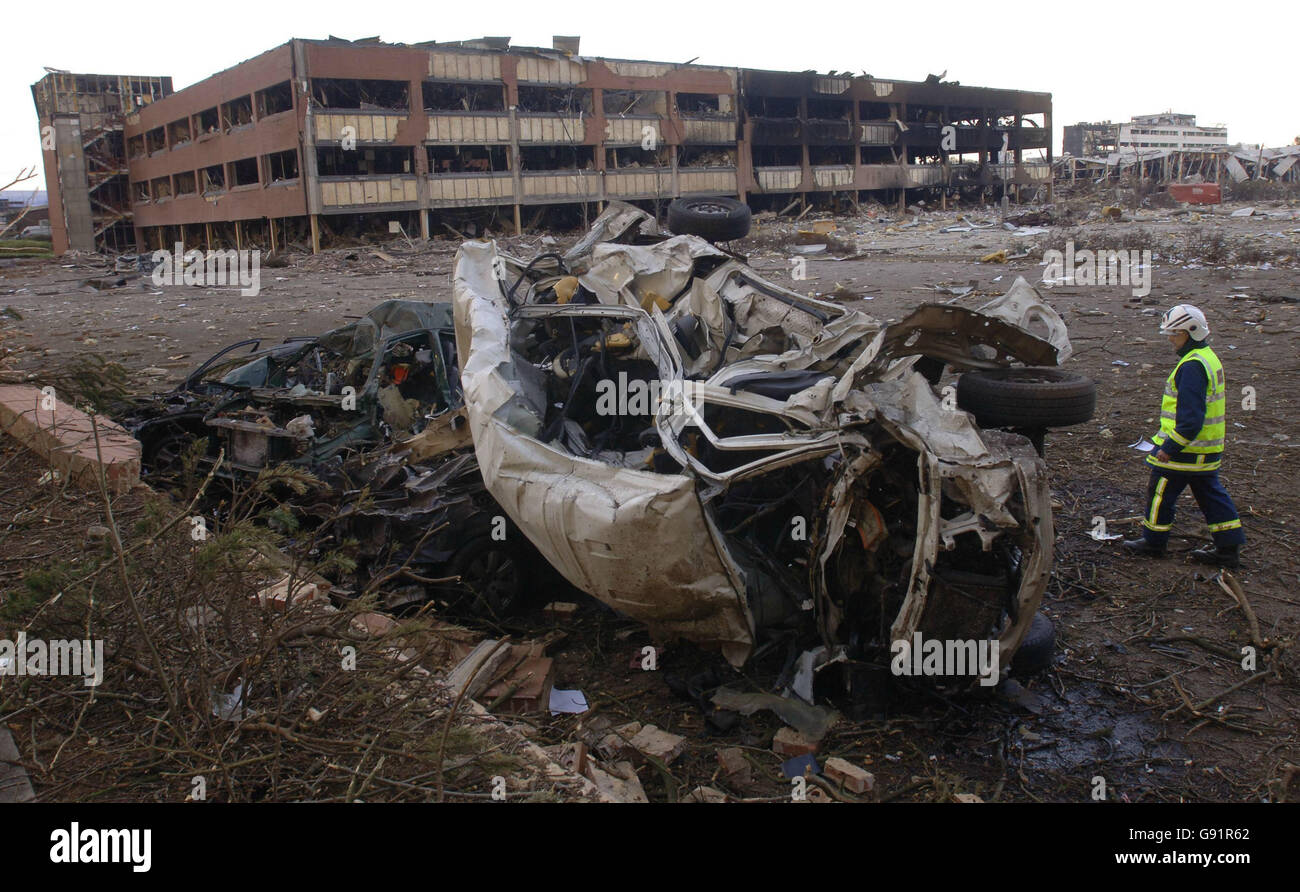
1227, 64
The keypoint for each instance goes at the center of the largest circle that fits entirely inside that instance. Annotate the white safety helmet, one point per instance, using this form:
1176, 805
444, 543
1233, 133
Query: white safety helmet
1185, 317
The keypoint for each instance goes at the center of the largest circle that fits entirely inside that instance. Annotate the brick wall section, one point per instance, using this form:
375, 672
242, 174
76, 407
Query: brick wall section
65, 438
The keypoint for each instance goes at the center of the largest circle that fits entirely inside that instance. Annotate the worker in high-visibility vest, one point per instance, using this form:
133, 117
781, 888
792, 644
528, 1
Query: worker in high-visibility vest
1189, 446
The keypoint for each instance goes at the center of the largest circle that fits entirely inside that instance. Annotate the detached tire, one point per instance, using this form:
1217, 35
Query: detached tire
492, 577
1029, 397
1036, 651
712, 219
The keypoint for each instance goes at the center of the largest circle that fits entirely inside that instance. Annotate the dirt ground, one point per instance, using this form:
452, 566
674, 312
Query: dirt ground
1148, 690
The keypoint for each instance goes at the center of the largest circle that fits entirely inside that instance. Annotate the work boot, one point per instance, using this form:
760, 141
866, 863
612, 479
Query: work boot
1143, 547
1218, 555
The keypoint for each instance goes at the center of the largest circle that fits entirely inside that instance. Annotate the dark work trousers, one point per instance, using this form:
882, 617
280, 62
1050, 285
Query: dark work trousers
1220, 513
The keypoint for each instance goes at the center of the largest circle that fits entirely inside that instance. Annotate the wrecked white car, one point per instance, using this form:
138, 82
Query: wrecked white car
718, 456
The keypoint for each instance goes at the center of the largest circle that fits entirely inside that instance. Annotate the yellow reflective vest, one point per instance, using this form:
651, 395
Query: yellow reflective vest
1205, 450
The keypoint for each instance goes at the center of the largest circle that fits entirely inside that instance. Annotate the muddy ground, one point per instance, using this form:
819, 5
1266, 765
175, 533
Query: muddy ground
1148, 689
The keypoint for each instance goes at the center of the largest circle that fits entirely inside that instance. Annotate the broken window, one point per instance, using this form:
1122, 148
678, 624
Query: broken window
556, 100
877, 155
161, 187
282, 165
155, 140
274, 100
777, 156
135, 147
207, 121
874, 111
334, 161
468, 159
140, 191
236, 113
634, 102
178, 132
829, 109
703, 105
147, 91
366, 95
243, 172
213, 178
773, 106
463, 97
635, 156
706, 156
830, 154
185, 183
557, 158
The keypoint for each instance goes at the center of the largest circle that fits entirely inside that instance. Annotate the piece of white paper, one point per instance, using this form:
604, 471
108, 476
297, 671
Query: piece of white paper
1143, 445
567, 701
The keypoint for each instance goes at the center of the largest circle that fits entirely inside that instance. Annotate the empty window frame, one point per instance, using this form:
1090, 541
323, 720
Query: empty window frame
236, 113
207, 121
830, 109
274, 100
161, 187
439, 96
634, 102
772, 106
364, 95
334, 161
703, 105
468, 159
282, 166
874, 111
777, 156
830, 154
243, 172
555, 100
557, 158
178, 132
185, 183
706, 156
135, 147
635, 156
213, 179
155, 140
140, 191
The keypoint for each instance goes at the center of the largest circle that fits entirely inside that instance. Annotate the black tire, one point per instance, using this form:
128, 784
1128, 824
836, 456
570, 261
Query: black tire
1027, 397
164, 455
1036, 651
492, 576
712, 219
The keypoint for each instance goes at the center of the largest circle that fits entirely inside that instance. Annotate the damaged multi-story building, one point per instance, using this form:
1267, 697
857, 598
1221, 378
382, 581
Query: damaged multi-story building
82, 119
315, 137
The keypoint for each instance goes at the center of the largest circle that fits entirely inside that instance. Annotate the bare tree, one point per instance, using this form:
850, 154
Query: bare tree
23, 176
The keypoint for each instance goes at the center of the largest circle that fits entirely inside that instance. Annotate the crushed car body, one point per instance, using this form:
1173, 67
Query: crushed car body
718, 456
373, 411
312, 400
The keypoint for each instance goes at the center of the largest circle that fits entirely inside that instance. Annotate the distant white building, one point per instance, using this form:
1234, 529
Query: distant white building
1169, 131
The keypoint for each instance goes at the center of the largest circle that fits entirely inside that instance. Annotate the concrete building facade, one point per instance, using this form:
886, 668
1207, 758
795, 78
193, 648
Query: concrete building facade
1177, 132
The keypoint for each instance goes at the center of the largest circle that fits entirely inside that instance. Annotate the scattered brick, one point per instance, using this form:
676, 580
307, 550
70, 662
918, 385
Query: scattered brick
788, 742
849, 776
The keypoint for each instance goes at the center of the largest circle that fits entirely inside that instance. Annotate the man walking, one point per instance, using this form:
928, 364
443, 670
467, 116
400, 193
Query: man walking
1189, 447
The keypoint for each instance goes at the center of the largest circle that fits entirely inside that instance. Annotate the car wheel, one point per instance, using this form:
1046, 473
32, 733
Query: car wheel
166, 454
1036, 651
491, 576
712, 219
1027, 397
